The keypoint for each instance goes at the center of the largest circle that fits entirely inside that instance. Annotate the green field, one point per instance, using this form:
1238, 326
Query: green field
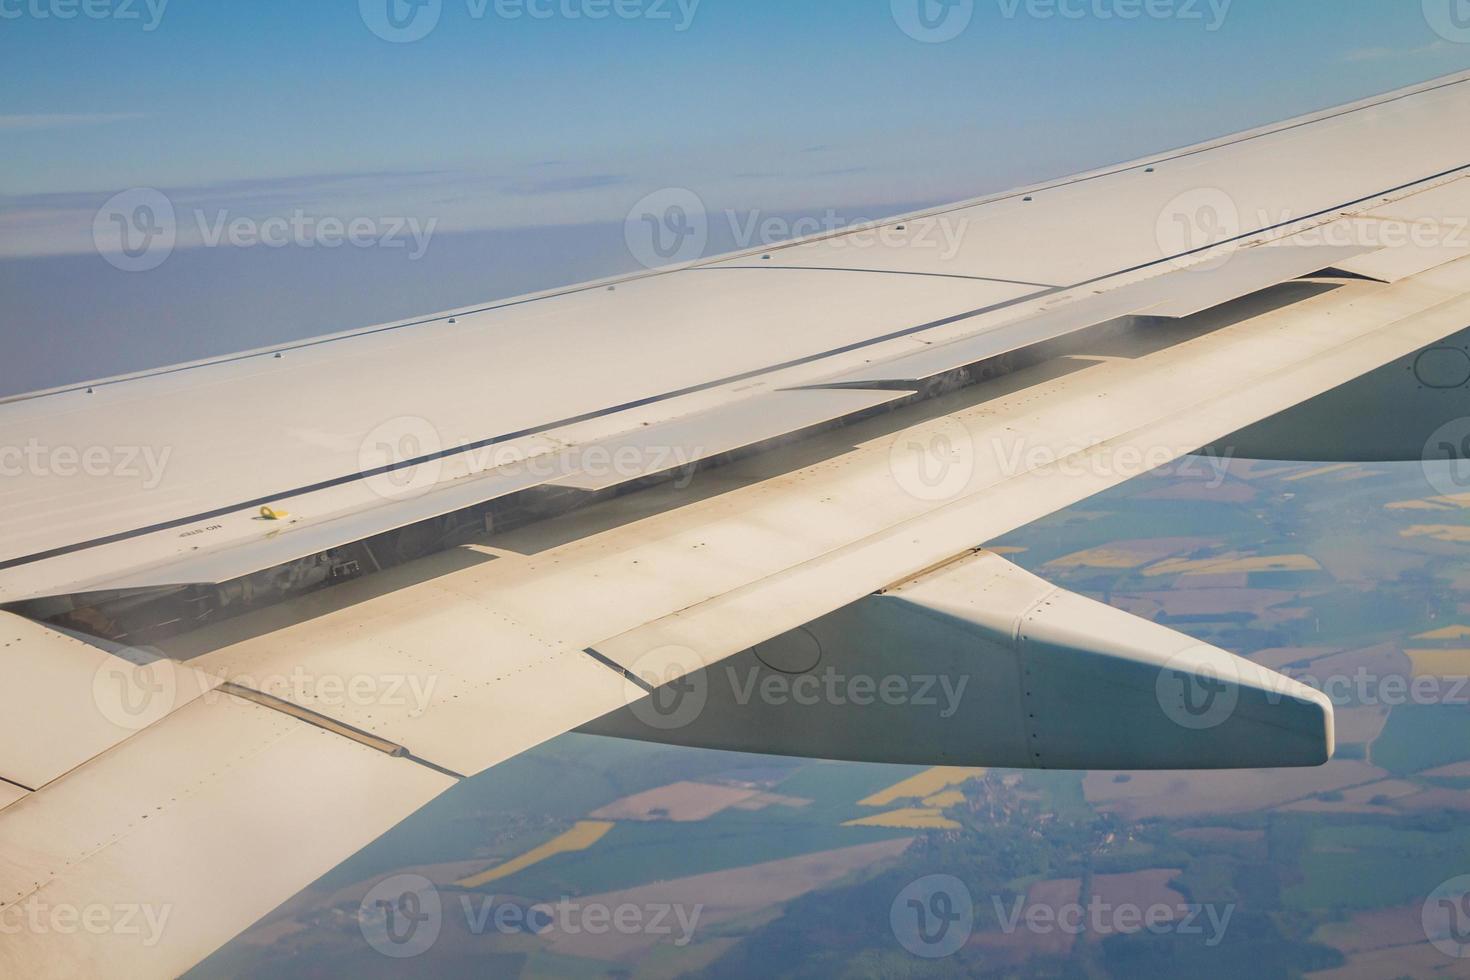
1374, 866
1419, 737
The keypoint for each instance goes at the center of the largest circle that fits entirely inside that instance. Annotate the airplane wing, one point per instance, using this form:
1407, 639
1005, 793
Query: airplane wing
258, 609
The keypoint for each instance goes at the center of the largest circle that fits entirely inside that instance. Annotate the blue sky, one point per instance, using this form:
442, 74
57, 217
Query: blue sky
761, 103
495, 123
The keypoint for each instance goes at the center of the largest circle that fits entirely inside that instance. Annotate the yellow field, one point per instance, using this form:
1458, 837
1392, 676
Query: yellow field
950, 797
1233, 565
579, 838
1454, 533
1440, 663
1320, 471
1448, 633
1458, 501
922, 786
909, 818
1102, 558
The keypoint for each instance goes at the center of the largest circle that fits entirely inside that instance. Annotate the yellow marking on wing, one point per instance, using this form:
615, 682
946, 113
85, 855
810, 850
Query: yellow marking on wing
910, 818
1440, 663
922, 786
582, 836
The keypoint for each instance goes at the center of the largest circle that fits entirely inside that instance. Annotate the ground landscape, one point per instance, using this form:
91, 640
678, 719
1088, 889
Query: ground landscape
1350, 577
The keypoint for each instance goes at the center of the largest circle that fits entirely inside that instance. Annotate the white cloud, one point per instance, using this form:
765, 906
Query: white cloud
1387, 54
63, 120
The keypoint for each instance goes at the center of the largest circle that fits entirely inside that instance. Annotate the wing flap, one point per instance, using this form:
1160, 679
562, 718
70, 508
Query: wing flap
65, 701
927, 362
390, 502
1412, 234
1240, 273
417, 659
10, 793
668, 580
669, 445
1022, 456
146, 859
1175, 294
1393, 264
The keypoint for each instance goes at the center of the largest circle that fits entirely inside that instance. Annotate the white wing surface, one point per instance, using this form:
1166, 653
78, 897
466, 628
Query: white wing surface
348, 572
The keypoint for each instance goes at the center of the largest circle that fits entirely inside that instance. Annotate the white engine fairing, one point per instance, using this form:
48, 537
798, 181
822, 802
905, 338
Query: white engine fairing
981, 663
